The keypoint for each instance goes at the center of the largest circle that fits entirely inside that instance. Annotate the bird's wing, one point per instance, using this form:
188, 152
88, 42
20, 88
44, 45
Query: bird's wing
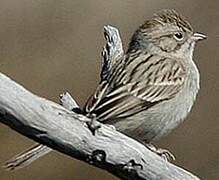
138, 87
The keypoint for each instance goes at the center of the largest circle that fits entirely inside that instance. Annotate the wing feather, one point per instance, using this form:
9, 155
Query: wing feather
137, 87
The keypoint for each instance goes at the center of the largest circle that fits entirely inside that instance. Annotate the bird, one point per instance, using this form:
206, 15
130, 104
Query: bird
148, 91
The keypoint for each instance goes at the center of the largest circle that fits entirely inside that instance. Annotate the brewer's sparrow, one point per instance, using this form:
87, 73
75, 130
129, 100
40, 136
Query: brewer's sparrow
151, 89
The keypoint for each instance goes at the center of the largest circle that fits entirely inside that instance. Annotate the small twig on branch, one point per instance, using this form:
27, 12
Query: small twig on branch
112, 51
66, 131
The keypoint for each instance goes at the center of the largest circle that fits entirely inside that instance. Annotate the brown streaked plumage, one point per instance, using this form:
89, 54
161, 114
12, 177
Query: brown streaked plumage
168, 17
151, 89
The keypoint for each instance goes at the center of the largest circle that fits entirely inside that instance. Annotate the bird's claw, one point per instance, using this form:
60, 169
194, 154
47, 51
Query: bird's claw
164, 153
93, 124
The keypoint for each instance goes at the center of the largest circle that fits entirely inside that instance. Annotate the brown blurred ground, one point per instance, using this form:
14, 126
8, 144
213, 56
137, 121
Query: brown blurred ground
52, 46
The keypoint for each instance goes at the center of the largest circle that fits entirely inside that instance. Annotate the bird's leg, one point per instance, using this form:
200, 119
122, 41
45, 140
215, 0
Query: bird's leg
93, 124
164, 153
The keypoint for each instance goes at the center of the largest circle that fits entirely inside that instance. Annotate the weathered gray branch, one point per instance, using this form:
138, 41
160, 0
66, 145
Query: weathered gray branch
65, 131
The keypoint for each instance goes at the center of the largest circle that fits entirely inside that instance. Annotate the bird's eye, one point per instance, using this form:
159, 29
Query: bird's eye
178, 36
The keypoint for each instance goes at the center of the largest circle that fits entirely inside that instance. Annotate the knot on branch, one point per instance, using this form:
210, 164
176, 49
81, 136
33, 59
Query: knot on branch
97, 157
131, 169
132, 165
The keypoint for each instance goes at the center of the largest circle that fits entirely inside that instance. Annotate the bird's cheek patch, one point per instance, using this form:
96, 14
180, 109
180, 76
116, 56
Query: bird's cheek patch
167, 44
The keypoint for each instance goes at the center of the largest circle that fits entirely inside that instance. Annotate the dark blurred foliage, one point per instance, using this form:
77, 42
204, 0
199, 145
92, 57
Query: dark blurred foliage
51, 46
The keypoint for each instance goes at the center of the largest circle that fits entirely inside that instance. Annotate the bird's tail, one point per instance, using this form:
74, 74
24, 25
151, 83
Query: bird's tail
25, 158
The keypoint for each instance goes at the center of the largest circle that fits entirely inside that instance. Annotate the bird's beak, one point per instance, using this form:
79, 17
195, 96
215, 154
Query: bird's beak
199, 36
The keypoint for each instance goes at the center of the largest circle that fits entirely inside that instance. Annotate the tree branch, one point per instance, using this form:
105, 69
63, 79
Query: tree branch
66, 131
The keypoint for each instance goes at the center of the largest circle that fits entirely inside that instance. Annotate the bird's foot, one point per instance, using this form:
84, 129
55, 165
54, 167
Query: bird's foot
93, 124
113, 128
164, 153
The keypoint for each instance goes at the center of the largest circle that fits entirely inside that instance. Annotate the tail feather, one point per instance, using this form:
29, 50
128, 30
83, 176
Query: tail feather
25, 158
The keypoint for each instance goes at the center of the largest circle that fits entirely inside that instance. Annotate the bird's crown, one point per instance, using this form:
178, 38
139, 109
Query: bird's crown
167, 17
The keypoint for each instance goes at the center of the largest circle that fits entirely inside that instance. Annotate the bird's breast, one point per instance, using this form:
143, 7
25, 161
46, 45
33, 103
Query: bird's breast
173, 112
158, 121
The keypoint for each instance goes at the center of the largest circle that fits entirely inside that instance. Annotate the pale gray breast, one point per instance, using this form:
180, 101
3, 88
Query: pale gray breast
158, 121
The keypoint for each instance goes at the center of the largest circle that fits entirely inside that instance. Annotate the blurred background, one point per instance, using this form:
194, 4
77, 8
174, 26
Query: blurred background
52, 46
